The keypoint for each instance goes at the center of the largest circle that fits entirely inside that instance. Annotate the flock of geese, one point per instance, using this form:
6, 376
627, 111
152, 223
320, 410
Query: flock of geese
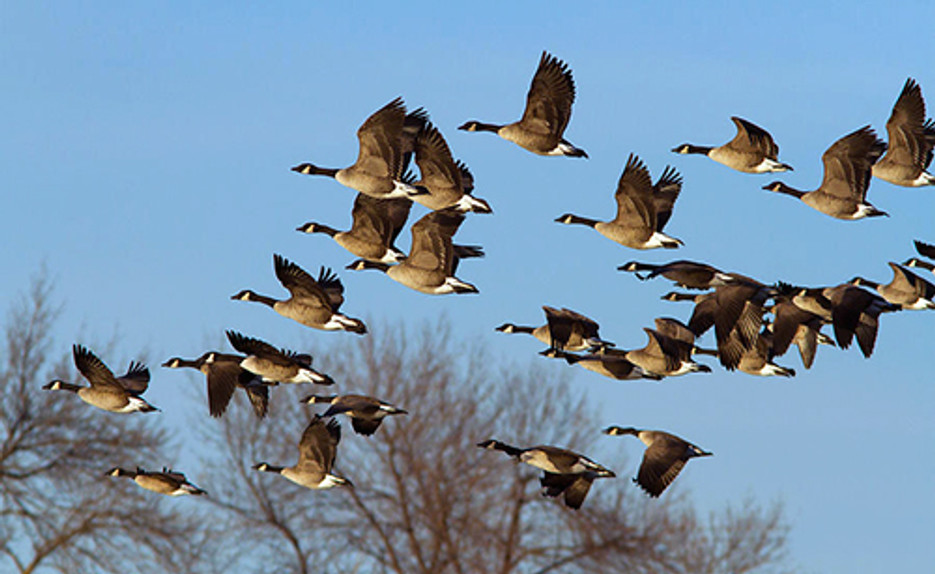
735, 305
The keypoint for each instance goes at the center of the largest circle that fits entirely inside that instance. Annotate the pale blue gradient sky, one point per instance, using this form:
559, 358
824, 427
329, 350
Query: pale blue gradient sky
145, 159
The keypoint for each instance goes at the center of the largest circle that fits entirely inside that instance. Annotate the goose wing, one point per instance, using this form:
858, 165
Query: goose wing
787, 318
256, 347
365, 427
662, 463
576, 492
661, 346
565, 323
171, 476
550, 97
665, 192
136, 380
257, 392
925, 249
370, 223
754, 139
582, 326
848, 163
703, 314
93, 369
674, 329
319, 445
301, 285
396, 212
909, 142
847, 306
909, 281
438, 168
332, 286
467, 178
737, 309
222, 378
574, 486
380, 138
635, 203
431, 240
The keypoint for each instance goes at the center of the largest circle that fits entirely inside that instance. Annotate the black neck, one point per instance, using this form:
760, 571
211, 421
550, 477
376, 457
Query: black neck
190, 363
63, 386
269, 301
482, 127
699, 149
783, 188
319, 228
310, 169
570, 219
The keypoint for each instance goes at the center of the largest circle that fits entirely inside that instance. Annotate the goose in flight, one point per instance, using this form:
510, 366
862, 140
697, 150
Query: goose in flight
843, 190
643, 209
548, 109
751, 151
382, 157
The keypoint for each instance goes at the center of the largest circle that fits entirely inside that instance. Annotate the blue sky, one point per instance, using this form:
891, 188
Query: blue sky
145, 160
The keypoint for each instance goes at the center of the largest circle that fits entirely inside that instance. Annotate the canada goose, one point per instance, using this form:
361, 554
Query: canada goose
665, 356
907, 289
169, 482
377, 223
317, 450
850, 310
687, 274
449, 182
611, 363
432, 260
548, 109
794, 325
564, 330
564, 471
912, 138
224, 374
663, 460
117, 395
381, 161
924, 250
366, 413
643, 209
312, 303
751, 151
275, 365
843, 190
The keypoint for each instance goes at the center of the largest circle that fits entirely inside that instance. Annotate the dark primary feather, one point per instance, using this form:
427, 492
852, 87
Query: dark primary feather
93, 369
319, 443
136, 380
848, 163
925, 250
754, 138
550, 97
301, 284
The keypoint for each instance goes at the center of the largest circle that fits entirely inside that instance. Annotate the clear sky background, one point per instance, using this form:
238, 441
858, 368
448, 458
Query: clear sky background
145, 155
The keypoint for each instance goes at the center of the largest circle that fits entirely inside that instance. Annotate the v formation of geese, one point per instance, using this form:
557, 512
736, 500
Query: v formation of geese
754, 322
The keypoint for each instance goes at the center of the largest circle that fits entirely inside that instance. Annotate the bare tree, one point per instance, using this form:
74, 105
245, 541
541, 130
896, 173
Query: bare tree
428, 500
59, 512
